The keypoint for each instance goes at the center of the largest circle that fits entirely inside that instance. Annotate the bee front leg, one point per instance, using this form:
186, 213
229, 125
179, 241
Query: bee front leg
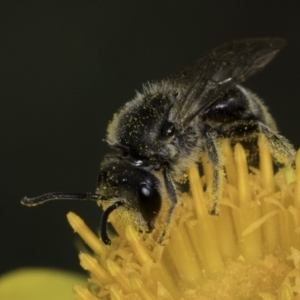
171, 190
213, 151
280, 148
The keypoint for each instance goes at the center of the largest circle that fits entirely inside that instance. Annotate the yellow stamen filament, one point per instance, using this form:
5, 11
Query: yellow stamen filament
243, 176
259, 222
119, 276
250, 251
138, 248
210, 255
83, 293
270, 228
141, 289
90, 264
266, 165
207, 170
230, 165
116, 293
249, 212
84, 232
185, 263
285, 292
197, 191
297, 184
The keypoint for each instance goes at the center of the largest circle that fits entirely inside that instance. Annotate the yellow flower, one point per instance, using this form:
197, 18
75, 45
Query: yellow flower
38, 284
250, 251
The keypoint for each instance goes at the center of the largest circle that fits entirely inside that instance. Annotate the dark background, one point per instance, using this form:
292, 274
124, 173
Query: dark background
67, 66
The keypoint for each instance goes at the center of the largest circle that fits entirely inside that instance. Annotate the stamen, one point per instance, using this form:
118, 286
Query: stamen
297, 183
270, 227
141, 289
243, 176
249, 212
86, 234
89, 263
286, 293
185, 263
116, 293
197, 192
266, 165
230, 165
83, 294
259, 222
137, 246
119, 276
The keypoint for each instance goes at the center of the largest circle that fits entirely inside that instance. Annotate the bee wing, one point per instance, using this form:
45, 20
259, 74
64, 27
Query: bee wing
203, 82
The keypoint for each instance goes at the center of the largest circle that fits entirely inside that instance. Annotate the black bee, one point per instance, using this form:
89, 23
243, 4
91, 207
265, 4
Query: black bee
164, 129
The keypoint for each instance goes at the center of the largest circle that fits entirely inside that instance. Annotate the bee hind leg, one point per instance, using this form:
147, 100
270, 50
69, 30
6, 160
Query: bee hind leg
280, 148
214, 153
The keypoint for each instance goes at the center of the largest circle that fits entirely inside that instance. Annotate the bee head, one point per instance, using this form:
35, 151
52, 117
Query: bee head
136, 189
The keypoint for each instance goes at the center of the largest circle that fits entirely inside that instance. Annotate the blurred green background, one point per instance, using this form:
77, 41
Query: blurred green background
67, 66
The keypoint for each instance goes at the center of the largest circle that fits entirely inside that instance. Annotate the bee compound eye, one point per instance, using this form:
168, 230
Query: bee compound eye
149, 201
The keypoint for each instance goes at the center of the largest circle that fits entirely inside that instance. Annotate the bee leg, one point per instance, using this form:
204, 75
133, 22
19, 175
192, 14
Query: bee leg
104, 220
213, 151
173, 197
280, 148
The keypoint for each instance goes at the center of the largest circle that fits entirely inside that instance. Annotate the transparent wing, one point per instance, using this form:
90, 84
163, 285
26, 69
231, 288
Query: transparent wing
204, 81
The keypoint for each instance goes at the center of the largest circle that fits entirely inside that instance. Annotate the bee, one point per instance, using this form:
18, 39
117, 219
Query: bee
172, 122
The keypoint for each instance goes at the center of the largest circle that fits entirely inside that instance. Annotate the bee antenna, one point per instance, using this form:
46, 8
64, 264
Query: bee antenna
103, 229
59, 196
